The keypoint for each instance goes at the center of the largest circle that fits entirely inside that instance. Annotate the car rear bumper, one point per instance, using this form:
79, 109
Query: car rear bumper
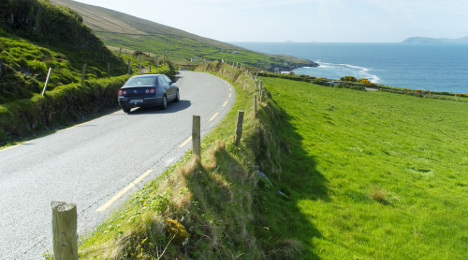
140, 102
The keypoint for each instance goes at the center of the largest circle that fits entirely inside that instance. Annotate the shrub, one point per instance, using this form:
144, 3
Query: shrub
365, 81
348, 78
61, 106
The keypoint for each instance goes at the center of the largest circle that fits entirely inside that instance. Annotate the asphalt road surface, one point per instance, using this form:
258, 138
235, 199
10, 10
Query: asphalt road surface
91, 163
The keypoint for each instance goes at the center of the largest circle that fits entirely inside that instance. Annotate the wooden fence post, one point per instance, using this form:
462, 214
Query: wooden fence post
108, 70
196, 137
140, 64
64, 234
128, 66
255, 102
83, 74
240, 120
261, 91
47, 81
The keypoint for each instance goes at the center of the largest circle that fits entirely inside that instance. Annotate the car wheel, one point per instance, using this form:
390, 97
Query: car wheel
126, 109
164, 103
177, 98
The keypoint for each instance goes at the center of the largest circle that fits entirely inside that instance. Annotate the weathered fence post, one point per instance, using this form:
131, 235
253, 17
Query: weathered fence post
108, 70
64, 234
47, 81
261, 90
156, 61
240, 120
196, 137
140, 64
255, 104
83, 74
128, 66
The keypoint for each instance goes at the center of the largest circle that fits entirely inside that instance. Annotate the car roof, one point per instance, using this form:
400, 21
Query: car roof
147, 75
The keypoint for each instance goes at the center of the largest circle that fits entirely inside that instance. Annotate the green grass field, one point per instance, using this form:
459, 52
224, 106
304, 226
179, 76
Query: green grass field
369, 175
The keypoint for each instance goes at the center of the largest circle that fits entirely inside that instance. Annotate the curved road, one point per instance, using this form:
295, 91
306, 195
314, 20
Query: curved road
89, 164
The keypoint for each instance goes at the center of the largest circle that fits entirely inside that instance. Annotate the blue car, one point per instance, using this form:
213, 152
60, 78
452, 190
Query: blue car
148, 90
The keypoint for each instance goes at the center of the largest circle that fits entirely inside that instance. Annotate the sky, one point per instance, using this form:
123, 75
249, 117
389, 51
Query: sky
303, 20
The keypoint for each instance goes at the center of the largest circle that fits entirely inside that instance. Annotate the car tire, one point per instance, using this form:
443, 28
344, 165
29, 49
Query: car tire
177, 98
164, 103
126, 109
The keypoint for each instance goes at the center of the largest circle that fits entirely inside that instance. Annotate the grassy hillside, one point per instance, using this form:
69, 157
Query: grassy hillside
122, 30
35, 36
369, 175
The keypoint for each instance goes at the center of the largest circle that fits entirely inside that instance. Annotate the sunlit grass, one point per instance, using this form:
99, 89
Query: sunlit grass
371, 175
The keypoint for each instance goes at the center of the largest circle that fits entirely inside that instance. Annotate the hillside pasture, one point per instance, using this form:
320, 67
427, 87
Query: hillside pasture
369, 174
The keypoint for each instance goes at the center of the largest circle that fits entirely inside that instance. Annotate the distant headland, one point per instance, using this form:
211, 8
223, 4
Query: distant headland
426, 40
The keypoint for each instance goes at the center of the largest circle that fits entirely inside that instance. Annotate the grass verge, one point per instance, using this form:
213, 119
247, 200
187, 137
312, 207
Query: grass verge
200, 208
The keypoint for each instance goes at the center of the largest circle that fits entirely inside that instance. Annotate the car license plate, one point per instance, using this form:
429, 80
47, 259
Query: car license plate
135, 101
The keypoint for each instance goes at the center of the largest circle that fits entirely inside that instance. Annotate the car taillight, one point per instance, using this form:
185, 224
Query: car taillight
150, 90
122, 92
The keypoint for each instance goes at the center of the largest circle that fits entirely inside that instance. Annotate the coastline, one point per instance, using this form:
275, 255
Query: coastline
438, 68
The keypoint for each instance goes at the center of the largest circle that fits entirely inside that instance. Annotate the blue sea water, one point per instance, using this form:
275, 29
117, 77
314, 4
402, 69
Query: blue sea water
437, 67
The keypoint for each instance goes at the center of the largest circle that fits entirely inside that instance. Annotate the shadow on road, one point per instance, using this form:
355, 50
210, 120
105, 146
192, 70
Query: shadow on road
173, 107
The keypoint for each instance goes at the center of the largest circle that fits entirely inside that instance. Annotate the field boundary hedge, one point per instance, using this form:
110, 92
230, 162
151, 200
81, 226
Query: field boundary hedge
64, 105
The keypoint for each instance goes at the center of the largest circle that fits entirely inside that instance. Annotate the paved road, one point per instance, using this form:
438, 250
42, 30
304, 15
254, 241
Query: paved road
90, 163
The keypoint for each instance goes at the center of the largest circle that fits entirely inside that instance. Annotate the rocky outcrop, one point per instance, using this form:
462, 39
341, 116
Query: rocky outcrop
292, 66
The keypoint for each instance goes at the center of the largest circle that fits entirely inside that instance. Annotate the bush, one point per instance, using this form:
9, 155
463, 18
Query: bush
365, 81
348, 78
63, 105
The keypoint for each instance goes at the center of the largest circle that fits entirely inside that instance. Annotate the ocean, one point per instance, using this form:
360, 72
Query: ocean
437, 67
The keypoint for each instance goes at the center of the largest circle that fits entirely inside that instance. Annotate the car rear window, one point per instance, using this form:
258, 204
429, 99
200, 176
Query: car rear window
143, 81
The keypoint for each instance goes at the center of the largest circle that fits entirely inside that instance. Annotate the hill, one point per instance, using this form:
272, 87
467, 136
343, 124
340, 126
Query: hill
37, 35
426, 40
125, 31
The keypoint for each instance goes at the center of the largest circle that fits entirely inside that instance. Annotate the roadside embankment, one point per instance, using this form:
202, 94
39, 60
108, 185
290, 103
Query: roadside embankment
208, 207
64, 105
